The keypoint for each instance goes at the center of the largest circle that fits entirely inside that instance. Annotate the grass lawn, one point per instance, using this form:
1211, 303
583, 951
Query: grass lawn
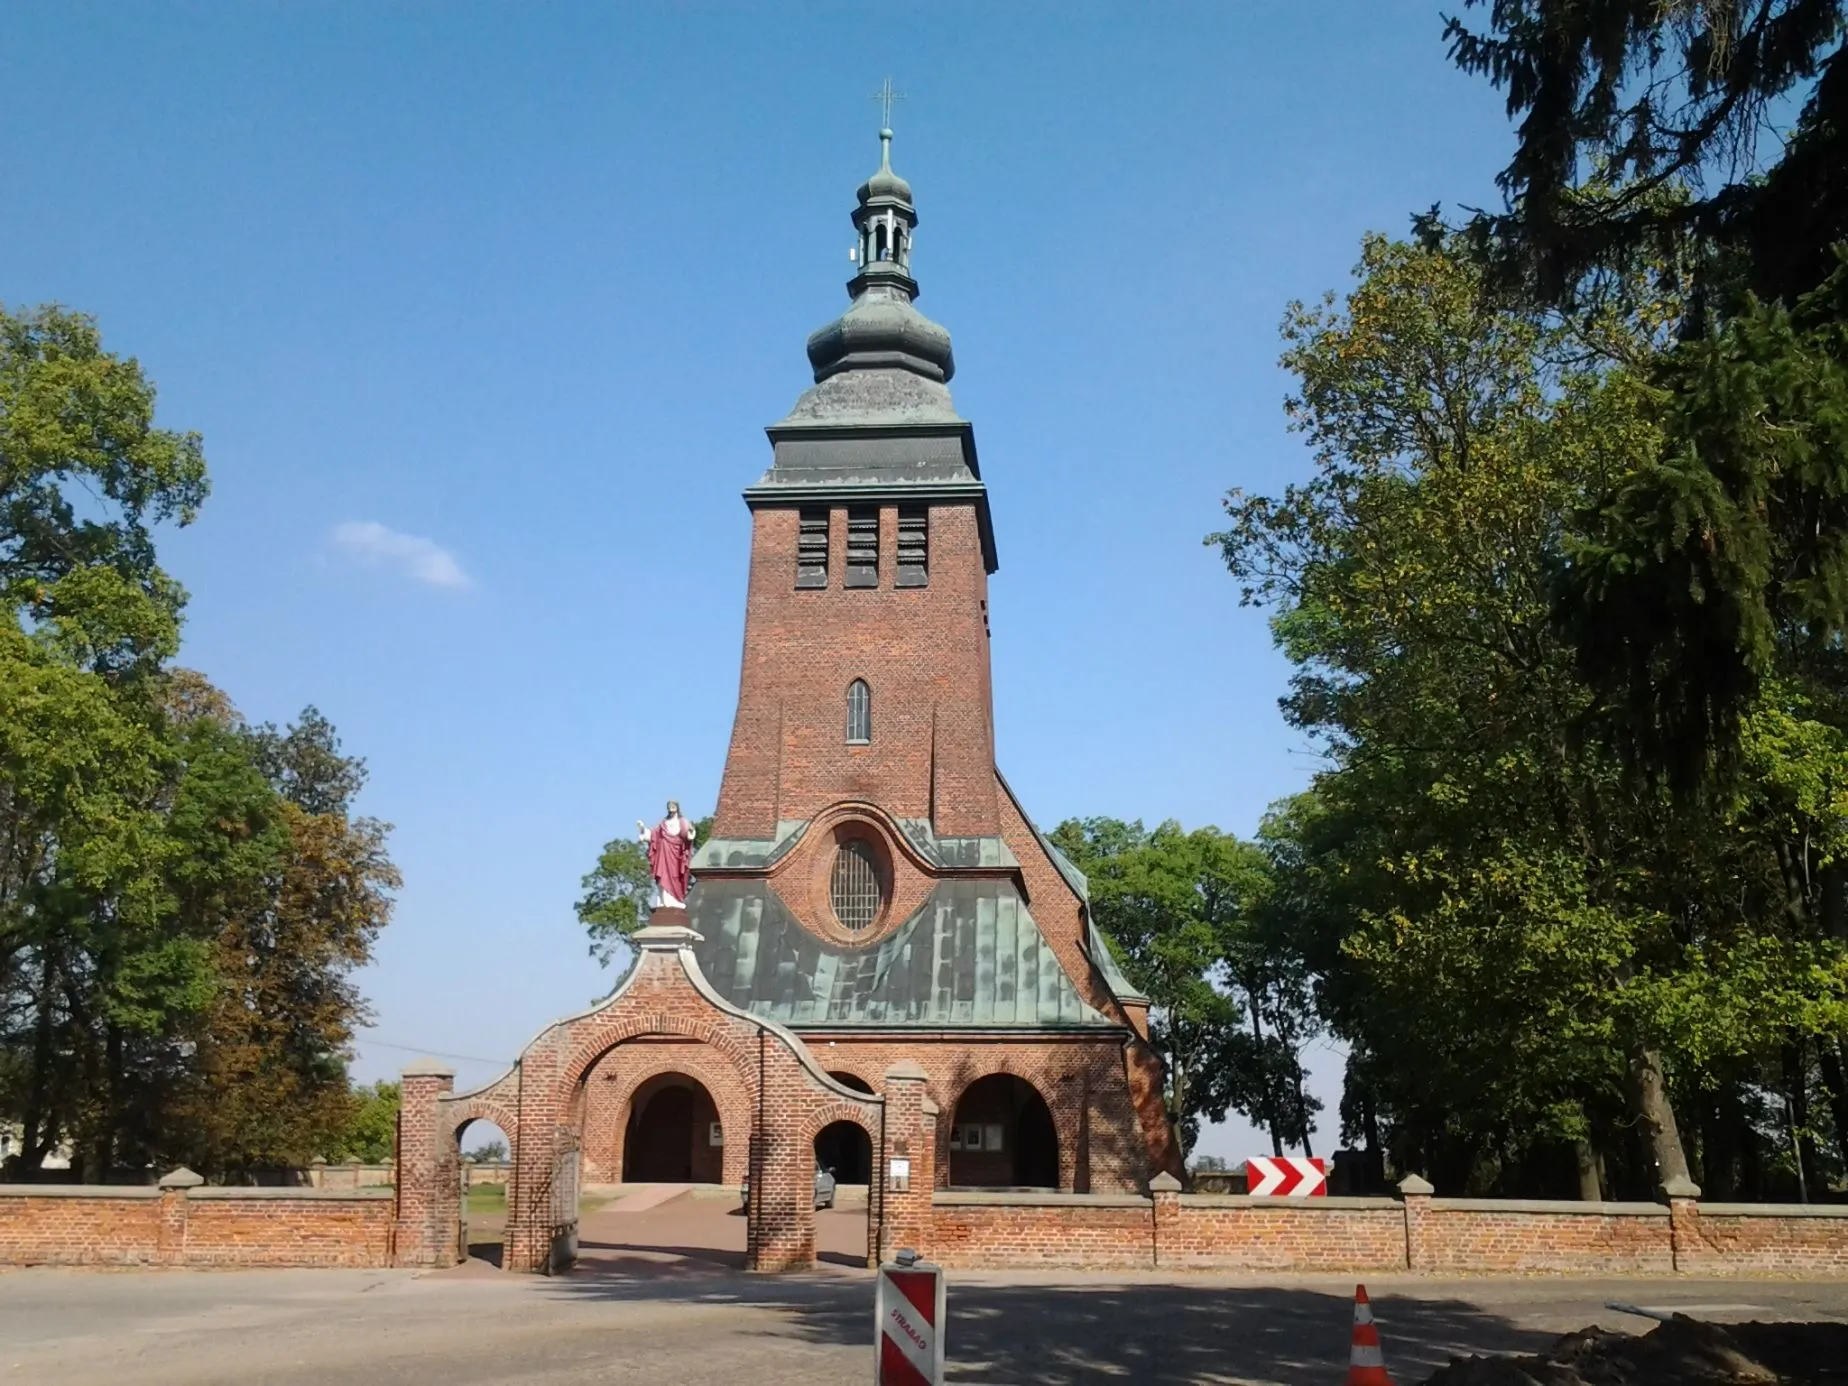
490, 1201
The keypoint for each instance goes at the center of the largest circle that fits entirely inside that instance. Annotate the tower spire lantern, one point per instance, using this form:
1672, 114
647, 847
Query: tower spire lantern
886, 219
881, 329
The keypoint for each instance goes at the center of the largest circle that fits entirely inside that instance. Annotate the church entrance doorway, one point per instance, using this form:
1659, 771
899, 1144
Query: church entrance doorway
1003, 1137
673, 1134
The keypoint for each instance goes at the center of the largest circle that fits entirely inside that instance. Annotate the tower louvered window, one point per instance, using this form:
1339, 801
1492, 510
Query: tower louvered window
812, 549
859, 713
854, 889
863, 547
913, 546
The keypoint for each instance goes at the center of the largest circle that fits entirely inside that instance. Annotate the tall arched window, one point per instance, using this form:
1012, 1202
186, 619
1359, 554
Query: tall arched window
859, 713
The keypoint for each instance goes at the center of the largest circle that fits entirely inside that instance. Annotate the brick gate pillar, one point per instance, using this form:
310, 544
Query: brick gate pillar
1415, 1193
174, 1187
910, 1138
429, 1195
1685, 1243
1164, 1215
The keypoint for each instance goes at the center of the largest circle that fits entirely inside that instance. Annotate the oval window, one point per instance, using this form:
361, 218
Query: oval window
854, 889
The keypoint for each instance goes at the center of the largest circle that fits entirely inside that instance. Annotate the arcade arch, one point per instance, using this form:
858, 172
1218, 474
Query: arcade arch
673, 1133
484, 1176
620, 1088
1003, 1136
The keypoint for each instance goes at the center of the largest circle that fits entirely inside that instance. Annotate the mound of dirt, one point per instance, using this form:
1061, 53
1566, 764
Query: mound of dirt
1681, 1352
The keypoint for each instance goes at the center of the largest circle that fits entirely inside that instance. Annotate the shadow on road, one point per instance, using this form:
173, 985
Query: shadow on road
1153, 1334
615, 1259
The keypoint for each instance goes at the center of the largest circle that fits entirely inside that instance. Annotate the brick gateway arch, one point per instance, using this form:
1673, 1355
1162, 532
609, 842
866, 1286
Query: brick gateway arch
761, 1076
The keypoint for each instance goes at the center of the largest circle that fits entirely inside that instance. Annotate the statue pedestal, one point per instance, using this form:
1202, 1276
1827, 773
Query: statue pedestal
668, 917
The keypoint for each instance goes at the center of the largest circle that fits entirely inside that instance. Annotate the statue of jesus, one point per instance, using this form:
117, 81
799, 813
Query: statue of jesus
670, 855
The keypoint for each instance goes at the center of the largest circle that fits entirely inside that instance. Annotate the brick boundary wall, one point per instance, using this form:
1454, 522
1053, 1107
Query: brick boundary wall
182, 1223
185, 1224
1172, 1230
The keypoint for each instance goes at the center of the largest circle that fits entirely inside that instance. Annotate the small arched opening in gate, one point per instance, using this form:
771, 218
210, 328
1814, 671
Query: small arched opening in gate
845, 1217
485, 1173
843, 1148
1003, 1137
673, 1134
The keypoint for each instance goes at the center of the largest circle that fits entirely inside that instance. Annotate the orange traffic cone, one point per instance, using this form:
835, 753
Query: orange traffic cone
1366, 1367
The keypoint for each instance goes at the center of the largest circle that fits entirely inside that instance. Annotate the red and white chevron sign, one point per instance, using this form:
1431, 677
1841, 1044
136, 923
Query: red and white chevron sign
908, 1321
1286, 1176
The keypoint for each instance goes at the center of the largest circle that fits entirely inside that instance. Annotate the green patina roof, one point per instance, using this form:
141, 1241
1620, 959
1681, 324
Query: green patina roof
971, 956
1096, 946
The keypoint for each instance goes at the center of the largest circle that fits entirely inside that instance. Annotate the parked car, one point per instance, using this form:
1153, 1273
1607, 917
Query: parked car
824, 1189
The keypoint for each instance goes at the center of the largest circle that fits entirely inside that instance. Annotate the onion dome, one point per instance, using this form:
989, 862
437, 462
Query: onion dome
881, 330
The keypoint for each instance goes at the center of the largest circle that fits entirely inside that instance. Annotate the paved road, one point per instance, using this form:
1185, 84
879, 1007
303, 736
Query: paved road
638, 1311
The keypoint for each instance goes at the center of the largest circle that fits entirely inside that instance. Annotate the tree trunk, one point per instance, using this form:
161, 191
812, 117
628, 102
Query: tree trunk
1370, 1132
1655, 1115
1803, 1144
1751, 1157
37, 1139
1302, 1111
1835, 1083
1270, 1103
1591, 1188
1179, 1117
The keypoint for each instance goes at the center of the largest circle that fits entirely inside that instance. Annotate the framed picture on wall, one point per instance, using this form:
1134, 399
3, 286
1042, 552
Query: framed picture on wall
715, 1135
991, 1137
956, 1138
972, 1138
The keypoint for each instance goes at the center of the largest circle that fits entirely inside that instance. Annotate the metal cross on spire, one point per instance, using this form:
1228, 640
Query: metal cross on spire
885, 96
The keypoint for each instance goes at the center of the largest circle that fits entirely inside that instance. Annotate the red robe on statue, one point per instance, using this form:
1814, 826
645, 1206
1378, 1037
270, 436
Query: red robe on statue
670, 857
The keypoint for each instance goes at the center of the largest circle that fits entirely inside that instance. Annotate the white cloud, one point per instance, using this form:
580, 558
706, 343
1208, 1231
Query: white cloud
425, 560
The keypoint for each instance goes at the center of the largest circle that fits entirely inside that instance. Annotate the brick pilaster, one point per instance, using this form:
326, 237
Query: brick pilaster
1685, 1243
174, 1188
1416, 1195
1165, 1216
910, 1136
428, 1191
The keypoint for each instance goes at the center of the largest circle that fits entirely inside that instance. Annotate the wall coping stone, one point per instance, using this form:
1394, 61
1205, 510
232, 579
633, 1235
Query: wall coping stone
1326, 1202
78, 1191
1569, 1207
1003, 1198
181, 1178
1774, 1210
374, 1194
427, 1068
1164, 1183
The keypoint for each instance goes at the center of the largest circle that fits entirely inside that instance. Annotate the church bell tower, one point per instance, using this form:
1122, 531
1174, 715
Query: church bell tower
866, 670
871, 882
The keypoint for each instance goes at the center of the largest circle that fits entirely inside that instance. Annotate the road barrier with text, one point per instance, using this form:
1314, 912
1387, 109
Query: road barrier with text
908, 1323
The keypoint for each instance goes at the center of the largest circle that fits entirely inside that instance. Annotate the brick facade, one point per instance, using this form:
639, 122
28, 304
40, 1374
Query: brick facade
565, 1103
617, 1081
1084, 1081
923, 651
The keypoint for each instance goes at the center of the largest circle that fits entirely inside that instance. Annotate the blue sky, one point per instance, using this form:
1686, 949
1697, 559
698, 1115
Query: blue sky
482, 308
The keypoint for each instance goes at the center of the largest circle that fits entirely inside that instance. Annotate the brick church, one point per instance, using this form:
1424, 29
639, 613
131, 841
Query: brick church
882, 967
872, 883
